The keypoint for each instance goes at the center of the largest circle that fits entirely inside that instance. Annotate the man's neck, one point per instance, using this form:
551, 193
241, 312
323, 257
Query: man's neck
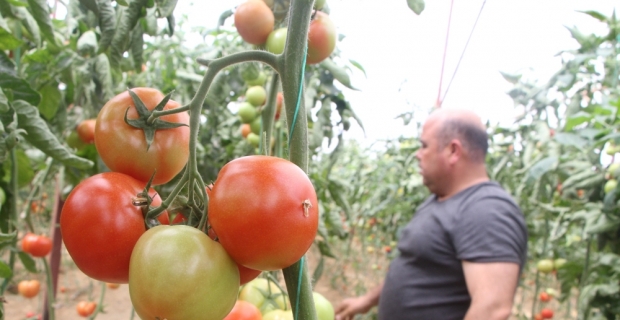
468, 179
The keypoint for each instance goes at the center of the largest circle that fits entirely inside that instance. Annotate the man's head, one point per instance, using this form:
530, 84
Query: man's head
454, 147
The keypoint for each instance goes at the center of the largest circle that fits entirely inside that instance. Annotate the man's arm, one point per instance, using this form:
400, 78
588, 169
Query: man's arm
349, 307
492, 288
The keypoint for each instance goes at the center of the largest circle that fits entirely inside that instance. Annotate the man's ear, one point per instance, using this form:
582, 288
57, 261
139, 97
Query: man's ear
456, 150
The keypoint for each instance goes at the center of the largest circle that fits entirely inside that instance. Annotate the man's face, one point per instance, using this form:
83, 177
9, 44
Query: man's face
432, 157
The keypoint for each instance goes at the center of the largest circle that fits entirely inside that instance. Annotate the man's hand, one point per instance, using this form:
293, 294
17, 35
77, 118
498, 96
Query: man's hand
348, 308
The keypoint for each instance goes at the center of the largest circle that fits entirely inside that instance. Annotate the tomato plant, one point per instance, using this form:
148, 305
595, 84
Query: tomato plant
264, 211
276, 41
100, 224
86, 130
123, 148
261, 293
85, 308
29, 288
254, 21
321, 38
244, 310
324, 308
159, 289
36, 245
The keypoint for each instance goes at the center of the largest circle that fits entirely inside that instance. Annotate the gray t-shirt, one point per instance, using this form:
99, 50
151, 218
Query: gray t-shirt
479, 224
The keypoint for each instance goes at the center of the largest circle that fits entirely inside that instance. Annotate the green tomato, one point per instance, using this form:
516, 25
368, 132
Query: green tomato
255, 125
318, 4
74, 141
256, 95
258, 81
178, 272
610, 185
558, 263
253, 139
545, 265
247, 112
261, 293
278, 315
324, 308
613, 169
276, 41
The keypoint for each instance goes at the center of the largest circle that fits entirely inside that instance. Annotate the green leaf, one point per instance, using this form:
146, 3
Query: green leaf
325, 249
18, 3
577, 119
40, 136
570, 139
416, 6
128, 20
541, 167
5, 270
595, 14
9, 80
512, 78
50, 101
6, 237
8, 40
338, 72
91, 5
28, 262
30, 23
87, 43
137, 47
25, 172
122, 3
318, 271
41, 13
165, 7
104, 75
3, 23
107, 24
358, 65
4, 105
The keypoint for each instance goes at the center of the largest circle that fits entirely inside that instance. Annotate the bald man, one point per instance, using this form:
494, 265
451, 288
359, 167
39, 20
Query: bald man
461, 255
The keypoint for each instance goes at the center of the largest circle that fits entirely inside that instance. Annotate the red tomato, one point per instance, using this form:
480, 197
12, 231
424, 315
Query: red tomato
123, 148
538, 317
321, 38
100, 224
86, 130
244, 310
264, 211
254, 21
177, 272
546, 313
85, 308
29, 288
545, 297
37, 246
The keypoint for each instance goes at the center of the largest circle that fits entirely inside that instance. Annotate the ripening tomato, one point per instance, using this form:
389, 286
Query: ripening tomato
100, 224
112, 285
264, 211
278, 315
36, 245
538, 316
546, 313
321, 38
324, 308
244, 310
254, 21
85, 308
177, 272
123, 148
544, 297
245, 129
29, 288
263, 294
86, 130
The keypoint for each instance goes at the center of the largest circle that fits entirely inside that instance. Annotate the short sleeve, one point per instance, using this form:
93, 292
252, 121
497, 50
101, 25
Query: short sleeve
491, 230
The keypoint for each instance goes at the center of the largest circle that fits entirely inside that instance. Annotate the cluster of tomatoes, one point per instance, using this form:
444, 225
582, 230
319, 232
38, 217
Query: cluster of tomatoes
255, 23
249, 113
262, 212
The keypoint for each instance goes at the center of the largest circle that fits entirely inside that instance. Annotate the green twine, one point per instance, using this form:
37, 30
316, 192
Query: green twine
301, 83
301, 268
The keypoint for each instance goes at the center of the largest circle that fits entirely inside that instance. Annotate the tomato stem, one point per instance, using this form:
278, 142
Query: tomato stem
268, 114
50, 289
100, 304
12, 215
156, 114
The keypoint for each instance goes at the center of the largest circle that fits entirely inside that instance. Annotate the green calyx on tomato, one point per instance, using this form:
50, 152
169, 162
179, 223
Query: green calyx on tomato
276, 41
124, 149
145, 123
177, 272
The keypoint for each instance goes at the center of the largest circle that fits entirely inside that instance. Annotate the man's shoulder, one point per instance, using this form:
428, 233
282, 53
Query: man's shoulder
488, 191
